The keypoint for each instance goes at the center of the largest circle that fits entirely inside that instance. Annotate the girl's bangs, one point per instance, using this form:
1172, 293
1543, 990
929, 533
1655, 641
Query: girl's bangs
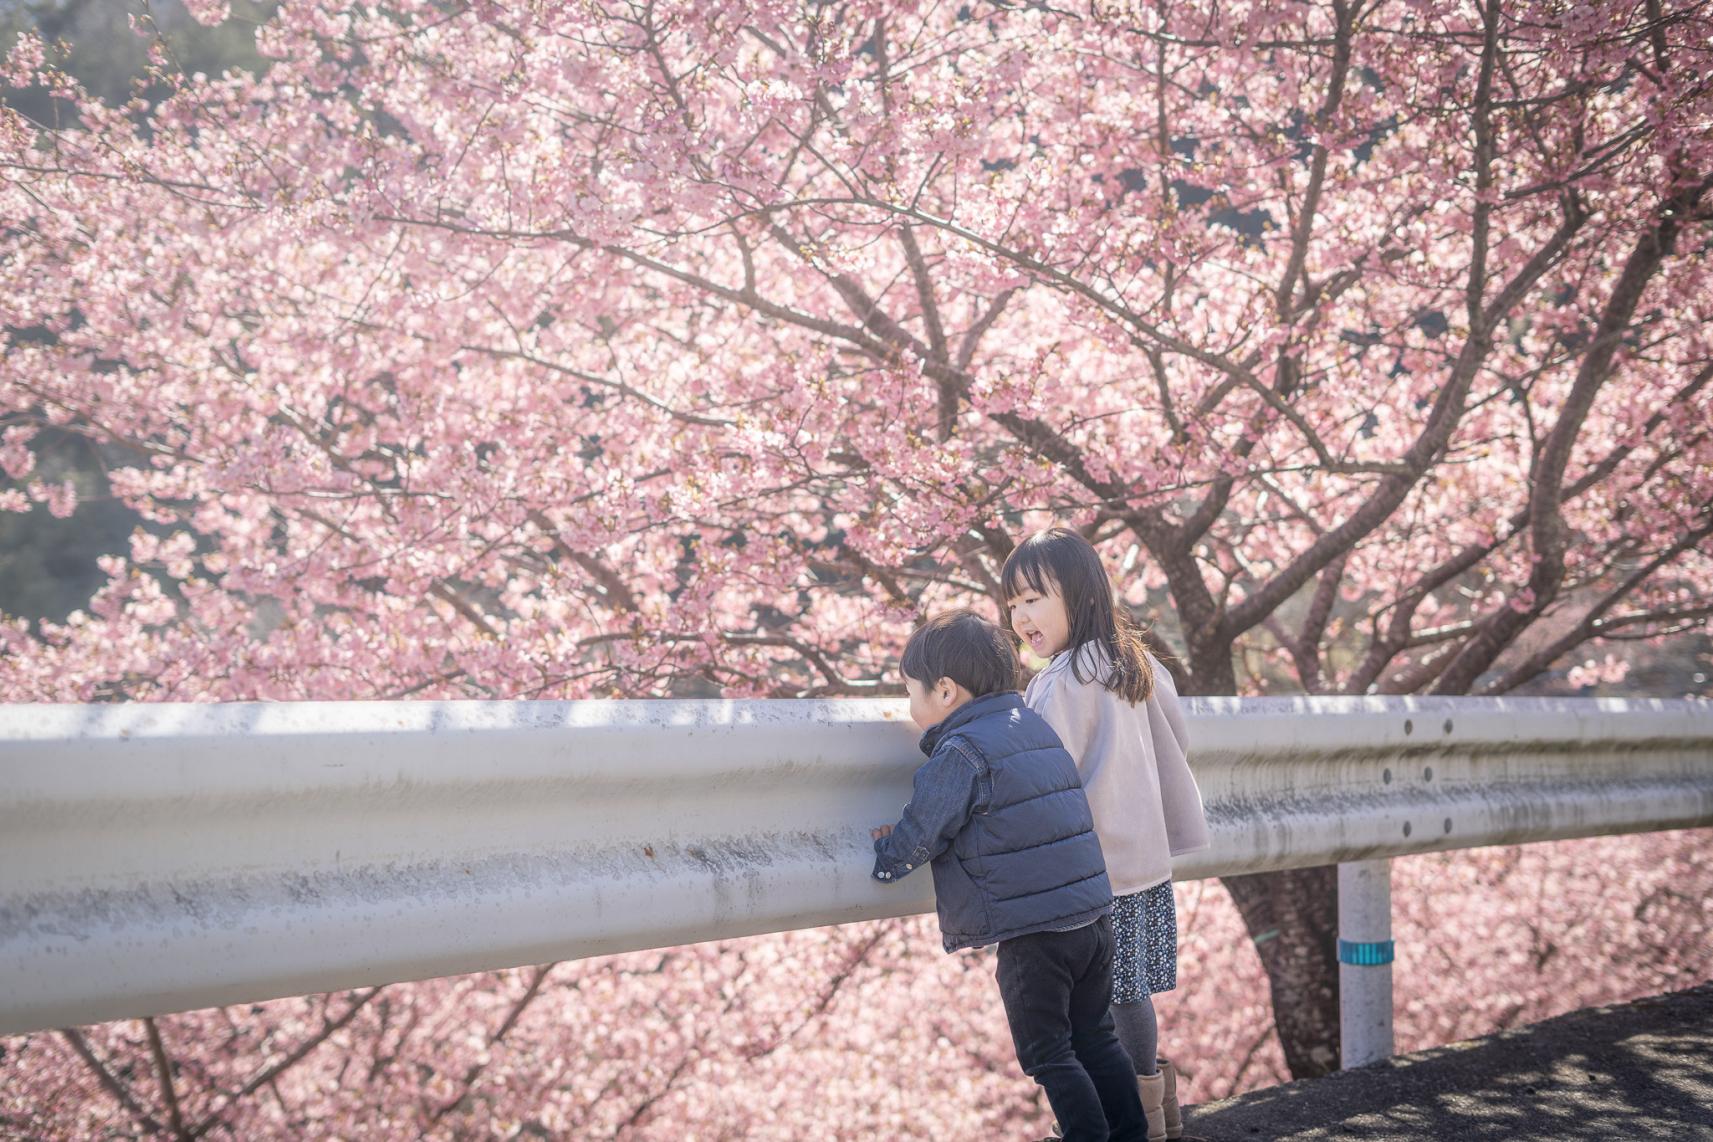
1027, 567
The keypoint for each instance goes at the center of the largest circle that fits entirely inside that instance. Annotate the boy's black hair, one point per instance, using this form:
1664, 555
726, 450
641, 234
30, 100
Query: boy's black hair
962, 646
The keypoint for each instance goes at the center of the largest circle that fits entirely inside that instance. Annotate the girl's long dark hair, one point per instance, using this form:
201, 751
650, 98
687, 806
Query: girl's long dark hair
1060, 558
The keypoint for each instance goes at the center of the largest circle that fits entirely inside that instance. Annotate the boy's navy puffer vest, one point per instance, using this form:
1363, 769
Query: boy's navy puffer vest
1029, 861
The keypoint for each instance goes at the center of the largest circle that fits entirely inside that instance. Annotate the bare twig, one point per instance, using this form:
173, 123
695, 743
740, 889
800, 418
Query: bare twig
297, 1055
109, 1082
163, 1072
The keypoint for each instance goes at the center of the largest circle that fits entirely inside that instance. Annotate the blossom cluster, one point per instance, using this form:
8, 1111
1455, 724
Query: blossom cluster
698, 347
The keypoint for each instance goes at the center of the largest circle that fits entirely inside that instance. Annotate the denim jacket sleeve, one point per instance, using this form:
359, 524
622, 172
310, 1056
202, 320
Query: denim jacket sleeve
946, 792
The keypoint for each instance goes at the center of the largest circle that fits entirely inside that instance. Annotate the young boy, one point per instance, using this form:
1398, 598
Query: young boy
999, 811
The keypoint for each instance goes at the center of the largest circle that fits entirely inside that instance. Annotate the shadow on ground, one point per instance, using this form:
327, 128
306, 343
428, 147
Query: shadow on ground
1641, 1070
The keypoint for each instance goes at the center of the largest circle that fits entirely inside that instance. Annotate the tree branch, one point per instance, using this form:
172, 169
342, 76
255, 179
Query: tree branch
1591, 625
937, 345
1429, 444
1546, 520
163, 1072
1384, 647
109, 1082
297, 1055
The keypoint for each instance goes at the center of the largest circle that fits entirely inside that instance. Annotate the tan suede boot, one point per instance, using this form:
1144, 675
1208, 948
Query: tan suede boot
1153, 1090
1169, 1112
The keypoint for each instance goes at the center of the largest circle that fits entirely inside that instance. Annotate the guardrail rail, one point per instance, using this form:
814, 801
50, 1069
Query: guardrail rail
162, 857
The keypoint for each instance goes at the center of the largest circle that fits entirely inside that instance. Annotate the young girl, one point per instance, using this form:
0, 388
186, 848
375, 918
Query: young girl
1116, 710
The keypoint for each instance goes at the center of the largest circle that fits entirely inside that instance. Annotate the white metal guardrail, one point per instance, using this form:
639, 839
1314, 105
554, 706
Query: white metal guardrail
163, 857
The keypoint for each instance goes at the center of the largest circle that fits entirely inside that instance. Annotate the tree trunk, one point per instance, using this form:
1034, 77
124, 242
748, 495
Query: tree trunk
1293, 919
1292, 916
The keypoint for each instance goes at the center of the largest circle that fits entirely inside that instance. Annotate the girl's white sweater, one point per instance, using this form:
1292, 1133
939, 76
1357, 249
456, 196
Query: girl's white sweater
1147, 808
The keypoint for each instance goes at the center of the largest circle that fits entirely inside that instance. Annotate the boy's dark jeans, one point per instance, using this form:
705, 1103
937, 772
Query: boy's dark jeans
1057, 988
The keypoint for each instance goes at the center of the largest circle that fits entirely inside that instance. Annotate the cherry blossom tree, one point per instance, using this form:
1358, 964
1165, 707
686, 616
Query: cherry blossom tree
537, 350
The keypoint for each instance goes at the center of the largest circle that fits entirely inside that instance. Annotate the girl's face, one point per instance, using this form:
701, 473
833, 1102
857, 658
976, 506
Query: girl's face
1040, 619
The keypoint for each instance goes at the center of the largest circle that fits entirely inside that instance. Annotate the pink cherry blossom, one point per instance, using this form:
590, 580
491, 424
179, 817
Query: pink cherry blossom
515, 351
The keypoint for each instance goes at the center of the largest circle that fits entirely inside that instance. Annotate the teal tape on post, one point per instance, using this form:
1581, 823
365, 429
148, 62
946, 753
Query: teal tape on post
1365, 954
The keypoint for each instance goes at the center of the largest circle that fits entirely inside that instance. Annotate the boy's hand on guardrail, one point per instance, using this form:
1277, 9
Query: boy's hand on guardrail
880, 831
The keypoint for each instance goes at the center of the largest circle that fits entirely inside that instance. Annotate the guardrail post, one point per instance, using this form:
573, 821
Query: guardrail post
1365, 961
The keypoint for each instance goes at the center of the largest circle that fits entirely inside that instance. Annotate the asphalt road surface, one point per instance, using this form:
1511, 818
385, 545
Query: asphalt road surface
1642, 1070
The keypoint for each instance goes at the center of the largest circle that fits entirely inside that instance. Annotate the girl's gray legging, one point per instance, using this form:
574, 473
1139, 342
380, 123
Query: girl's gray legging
1139, 1033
